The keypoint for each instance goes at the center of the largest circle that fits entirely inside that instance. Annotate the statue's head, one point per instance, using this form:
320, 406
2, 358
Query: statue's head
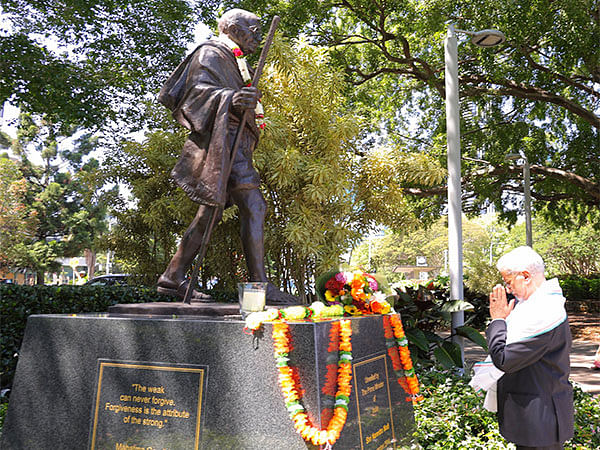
243, 28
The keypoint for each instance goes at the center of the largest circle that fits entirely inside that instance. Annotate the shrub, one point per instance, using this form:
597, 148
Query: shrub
580, 288
19, 302
426, 309
452, 416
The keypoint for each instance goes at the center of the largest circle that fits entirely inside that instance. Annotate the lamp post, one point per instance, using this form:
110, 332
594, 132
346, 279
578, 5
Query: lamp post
526, 192
485, 38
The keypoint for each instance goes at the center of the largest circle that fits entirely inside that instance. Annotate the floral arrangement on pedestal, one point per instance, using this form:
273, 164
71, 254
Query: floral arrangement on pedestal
349, 293
357, 291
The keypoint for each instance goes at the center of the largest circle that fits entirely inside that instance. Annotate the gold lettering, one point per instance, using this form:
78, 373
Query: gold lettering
372, 377
372, 388
122, 446
387, 442
163, 401
176, 413
156, 390
153, 423
379, 432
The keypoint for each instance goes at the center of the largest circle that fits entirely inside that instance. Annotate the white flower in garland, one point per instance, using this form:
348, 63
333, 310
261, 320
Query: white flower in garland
245, 72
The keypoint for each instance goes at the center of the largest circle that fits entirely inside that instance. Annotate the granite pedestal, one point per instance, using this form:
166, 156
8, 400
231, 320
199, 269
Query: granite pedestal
102, 381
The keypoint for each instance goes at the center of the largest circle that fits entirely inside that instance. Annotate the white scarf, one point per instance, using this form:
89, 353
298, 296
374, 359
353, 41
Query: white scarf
245, 73
543, 311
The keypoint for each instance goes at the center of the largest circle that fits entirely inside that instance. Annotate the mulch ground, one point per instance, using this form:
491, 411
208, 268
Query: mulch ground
585, 326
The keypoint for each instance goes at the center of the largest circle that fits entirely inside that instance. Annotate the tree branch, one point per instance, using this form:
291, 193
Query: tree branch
510, 88
527, 52
588, 186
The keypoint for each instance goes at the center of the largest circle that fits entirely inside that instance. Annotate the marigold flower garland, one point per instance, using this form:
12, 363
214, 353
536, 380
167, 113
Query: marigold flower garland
400, 356
290, 389
330, 384
338, 374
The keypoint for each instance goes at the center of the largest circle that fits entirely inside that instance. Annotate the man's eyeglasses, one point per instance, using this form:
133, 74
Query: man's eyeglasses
509, 281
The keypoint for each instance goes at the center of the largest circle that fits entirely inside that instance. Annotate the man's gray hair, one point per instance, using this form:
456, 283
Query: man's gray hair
231, 17
521, 259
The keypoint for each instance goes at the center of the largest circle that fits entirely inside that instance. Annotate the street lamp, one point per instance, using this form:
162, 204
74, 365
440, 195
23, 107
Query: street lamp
485, 38
526, 191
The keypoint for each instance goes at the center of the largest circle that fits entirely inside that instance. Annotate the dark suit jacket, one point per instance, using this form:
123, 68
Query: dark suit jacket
535, 397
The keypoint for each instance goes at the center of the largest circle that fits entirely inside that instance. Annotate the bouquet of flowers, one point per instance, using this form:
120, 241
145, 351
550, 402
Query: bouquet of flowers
359, 292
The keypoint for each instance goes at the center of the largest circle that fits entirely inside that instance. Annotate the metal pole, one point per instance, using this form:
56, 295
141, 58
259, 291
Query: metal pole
527, 191
455, 263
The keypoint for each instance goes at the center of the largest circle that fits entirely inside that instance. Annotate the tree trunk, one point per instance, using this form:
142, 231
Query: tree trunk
90, 262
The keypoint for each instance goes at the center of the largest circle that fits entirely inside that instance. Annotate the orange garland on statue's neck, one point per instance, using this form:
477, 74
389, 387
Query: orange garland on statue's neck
290, 390
400, 356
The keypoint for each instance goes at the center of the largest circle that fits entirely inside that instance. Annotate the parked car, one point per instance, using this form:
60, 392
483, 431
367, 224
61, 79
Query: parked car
116, 279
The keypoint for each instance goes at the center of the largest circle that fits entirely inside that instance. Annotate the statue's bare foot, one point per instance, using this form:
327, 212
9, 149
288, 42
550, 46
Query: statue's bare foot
169, 287
275, 297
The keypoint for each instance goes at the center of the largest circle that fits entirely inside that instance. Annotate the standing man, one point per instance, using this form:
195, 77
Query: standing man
208, 94
529, 340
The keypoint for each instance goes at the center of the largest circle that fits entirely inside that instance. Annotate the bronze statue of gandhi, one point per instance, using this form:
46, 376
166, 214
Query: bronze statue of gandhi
208, 94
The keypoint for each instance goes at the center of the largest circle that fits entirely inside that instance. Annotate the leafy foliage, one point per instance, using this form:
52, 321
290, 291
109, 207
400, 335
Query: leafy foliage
81, 63
536, 93
17, 223
148, 223
59, 207
144, 235
452, 416
323, 191
426, 310
580, 288
384, 254
575, 251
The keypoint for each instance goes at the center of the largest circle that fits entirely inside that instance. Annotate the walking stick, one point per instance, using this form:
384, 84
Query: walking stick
236, 143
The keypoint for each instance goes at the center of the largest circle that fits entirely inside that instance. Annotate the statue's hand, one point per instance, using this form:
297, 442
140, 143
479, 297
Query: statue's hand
245, 98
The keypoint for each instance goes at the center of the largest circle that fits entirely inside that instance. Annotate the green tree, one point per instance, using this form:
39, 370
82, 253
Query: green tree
575, 251
147, 223
88, 63
151, 211
324, 189
17, 223
537, 93
60, 194
481, 238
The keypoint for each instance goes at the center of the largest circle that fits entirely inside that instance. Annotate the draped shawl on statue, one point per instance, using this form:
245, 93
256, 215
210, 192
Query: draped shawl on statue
199, 93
